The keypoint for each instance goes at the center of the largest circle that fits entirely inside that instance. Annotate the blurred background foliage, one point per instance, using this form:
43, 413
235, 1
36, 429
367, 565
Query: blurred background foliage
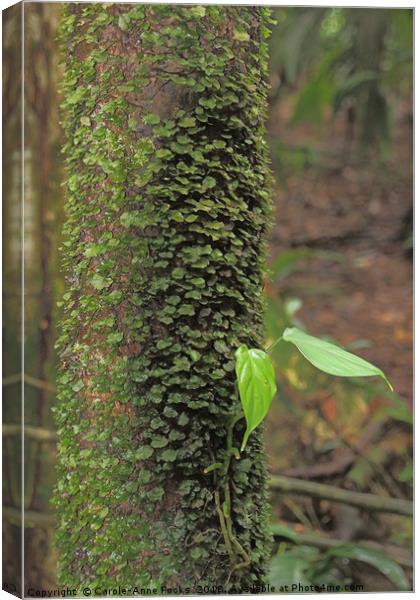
340, 133
351, 60
340, 250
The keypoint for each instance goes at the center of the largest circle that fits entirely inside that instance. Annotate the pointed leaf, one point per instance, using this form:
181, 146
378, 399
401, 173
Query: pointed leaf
278, 530
330, 358
256, 384
376, 558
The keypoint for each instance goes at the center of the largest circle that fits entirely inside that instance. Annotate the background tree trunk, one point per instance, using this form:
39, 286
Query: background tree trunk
42, 225
12, 288
168, 204
43, 282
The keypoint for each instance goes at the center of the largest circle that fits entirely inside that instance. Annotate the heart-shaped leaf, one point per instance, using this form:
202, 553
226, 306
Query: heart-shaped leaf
256, 384
330, 358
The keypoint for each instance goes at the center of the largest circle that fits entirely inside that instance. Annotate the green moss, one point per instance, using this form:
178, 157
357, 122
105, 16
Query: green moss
168, 202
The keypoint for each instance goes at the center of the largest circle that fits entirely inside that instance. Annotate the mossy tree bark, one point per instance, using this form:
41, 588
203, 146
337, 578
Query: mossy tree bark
168, 204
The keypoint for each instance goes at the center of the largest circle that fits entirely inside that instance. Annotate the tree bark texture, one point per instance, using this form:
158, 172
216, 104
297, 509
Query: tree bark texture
167, 206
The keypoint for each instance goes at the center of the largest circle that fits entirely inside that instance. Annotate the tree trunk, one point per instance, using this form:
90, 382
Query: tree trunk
43, 222
168, 204
12, 290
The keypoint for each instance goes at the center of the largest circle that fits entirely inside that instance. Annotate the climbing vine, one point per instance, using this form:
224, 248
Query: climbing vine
168, 203
256, 387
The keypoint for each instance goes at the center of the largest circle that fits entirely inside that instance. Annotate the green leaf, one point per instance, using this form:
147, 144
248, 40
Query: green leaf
241, 36
256, 384
99, 283
186, 309
103, 513
78, 385
330, 358
124, 22
92, 251
287, 569
282, 531
169, 455
198, 11
187, 122
151, 119
114, 338
144, 453
376, 558
209, 182
159, 442
163, 153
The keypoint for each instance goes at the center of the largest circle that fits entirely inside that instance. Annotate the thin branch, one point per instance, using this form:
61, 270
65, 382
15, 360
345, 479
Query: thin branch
44, 385
11, 379
29, 380
35, 433
31, 518
328, 492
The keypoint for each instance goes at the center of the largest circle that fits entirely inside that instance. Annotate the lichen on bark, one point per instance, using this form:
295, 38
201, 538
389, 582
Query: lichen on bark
168, 202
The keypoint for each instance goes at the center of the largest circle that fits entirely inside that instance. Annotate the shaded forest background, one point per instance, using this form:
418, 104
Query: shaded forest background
340, 265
